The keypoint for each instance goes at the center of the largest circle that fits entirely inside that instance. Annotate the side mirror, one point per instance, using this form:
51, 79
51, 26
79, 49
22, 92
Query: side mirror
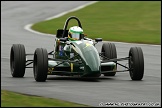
98, 39
63, 39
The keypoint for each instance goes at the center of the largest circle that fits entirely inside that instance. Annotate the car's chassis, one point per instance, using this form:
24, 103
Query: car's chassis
44, 65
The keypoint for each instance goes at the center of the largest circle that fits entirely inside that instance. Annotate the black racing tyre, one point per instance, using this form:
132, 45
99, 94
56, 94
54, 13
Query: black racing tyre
40, 65
17, 60
136, 63
109, 50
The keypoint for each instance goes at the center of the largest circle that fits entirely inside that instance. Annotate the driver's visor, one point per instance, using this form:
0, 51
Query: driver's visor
75, 35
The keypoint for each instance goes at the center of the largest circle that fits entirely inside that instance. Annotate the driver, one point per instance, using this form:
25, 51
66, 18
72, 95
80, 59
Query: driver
75, 33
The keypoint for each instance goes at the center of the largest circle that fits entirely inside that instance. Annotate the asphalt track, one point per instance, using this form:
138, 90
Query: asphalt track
120, 88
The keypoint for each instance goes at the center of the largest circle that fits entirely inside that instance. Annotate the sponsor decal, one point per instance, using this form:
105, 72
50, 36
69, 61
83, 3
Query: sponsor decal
87, 45
50, 70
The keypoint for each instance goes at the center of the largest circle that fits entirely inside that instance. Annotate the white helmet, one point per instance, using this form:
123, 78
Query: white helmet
75, 32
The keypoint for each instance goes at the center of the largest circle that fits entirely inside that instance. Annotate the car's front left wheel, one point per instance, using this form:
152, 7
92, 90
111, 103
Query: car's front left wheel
40, 65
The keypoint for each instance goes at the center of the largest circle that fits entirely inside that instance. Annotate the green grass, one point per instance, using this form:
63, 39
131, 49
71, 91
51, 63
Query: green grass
12, 99
125, 21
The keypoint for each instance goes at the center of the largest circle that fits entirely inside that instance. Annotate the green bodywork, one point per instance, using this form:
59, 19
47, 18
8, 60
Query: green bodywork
88, 55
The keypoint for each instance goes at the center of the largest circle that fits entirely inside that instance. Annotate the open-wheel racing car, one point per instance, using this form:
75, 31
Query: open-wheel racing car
75, 58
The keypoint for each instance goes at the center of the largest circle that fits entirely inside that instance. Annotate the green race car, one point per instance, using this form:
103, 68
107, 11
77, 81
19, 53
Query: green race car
75, 57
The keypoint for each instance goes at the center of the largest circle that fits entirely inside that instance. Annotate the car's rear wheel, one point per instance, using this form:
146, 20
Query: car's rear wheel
40, 65
17, 60
109, 51
136, 63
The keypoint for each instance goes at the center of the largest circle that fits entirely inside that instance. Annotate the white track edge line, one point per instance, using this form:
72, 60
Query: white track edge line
28, 26
72, 10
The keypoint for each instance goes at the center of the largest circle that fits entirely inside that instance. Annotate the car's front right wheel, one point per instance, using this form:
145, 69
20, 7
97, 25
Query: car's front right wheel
17, 60
40, 65
136, 63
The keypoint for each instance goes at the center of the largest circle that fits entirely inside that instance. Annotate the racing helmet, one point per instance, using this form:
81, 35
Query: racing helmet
75, 32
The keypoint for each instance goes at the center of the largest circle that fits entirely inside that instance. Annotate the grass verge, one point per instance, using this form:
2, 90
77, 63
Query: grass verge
12, 99
124, 21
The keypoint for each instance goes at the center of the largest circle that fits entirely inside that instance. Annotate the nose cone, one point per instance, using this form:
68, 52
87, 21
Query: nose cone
92, 62
91, 73
90, 57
